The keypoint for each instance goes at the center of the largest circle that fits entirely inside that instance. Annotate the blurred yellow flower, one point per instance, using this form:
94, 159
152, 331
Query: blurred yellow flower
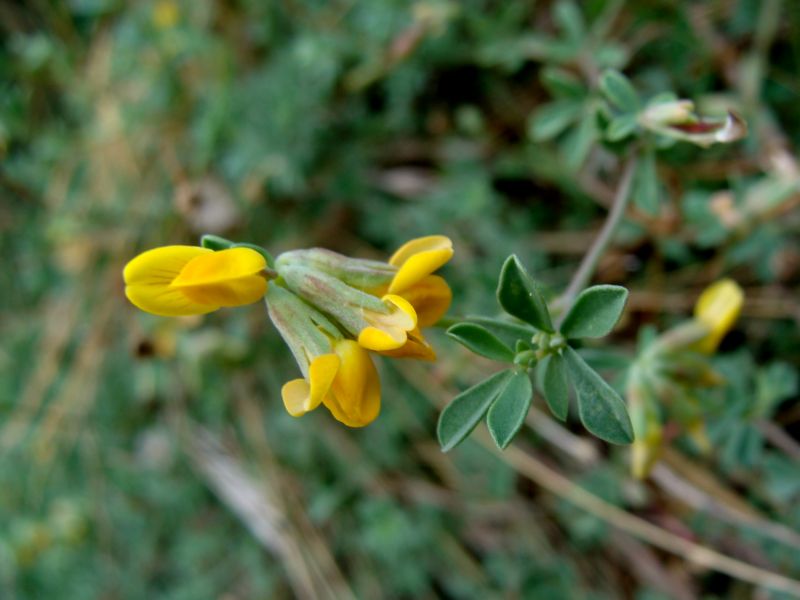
165, 14
190, 280
718, 308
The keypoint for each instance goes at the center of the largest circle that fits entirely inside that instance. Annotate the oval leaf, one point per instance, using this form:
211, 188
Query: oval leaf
601, 409
619, 91
481, 341
595, 312
555, 385
461, 416
520, 297
508, 412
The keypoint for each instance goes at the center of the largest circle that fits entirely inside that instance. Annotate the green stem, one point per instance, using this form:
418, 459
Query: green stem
589, 263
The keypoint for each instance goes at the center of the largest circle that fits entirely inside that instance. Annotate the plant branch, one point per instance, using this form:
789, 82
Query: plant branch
589, 263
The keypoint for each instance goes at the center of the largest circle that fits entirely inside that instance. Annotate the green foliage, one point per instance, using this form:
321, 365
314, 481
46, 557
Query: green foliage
593, 314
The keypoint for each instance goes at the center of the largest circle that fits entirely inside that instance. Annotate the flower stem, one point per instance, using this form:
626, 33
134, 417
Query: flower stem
589, 263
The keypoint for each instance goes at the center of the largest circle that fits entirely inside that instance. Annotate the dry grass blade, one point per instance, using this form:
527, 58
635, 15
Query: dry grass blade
258, 506
697, 554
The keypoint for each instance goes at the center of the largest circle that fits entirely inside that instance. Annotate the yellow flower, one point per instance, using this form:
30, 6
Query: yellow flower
718, 308
165, 14
355, 395
418, 258
430, 297
416, 346
388, 331
190, 280
345, 381
428, 294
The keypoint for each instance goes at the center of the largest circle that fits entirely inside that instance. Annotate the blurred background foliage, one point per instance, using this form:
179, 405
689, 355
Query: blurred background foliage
145, 457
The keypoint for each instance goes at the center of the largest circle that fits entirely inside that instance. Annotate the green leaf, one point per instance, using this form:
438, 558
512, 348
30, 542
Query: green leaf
466, 410
621, 127
578, 142
618, 91
562, 83
267, 256
601, 409
595, 312
215, 242
553, 118
520, 297
555, 384
481, 341
508, 412
504, 328
645, 186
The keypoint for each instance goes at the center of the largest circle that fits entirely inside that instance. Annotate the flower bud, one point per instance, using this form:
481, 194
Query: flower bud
378, 323
365, 275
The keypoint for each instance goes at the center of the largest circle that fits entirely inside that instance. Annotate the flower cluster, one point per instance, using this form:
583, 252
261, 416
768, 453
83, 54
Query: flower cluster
330, 309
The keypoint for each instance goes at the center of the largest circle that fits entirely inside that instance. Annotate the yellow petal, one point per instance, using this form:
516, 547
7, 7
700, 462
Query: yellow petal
295, 394
430, 297
300, 397
224, 278
166, 302
416, 346
388, 331
149, 275
161, 265
219, 267
236, 292
718, 308
355, 396
418, 258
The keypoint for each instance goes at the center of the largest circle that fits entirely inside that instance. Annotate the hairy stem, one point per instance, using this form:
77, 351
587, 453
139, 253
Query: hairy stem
589, 263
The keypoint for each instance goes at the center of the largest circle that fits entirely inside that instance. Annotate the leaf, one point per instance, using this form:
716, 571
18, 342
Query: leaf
506, 330
570, 20
562, 83
601, 409
645, 186
578, 142
621, 127
520, 297
464, 412
481, 341
555, 385
508, 412
553, 118
618, 91
595, 312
